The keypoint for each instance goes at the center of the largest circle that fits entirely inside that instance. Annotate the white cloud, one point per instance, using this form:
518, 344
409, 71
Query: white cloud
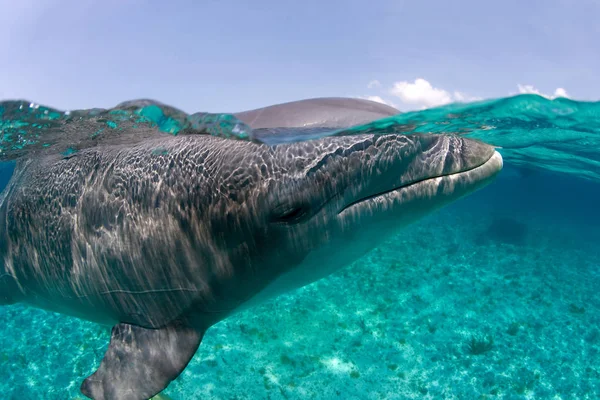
530, 89
422, 94
461, 97
378, 99
560, 92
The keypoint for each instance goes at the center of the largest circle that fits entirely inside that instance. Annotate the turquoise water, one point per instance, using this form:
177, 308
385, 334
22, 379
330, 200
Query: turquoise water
495, 296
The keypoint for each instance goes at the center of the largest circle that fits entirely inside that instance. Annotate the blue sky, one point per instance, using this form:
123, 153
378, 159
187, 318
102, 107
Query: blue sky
218, 55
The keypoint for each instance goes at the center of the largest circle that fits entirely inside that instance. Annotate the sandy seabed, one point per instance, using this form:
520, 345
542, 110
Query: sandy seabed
469, 303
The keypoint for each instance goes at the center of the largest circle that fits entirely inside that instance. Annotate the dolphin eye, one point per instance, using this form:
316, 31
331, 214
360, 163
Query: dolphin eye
291, 215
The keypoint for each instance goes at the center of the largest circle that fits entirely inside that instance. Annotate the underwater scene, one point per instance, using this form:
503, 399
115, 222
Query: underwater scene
493, 296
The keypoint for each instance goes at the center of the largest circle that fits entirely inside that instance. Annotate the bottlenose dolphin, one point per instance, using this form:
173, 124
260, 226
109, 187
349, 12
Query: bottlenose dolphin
161, 245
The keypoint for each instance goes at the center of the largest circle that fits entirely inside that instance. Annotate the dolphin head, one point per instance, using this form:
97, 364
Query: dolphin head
297, 212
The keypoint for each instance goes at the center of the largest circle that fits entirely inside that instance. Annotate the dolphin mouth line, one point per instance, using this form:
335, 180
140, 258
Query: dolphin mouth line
493, 158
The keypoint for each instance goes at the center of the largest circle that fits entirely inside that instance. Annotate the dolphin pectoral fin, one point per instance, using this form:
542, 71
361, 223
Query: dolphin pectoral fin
140, 362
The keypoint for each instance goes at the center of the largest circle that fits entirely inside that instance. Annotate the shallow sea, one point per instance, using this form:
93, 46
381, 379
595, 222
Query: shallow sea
494, 296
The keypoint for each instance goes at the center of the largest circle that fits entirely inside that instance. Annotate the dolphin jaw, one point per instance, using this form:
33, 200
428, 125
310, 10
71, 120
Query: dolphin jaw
452, 186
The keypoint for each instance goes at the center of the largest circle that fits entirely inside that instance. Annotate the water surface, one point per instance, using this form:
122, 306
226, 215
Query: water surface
495, 296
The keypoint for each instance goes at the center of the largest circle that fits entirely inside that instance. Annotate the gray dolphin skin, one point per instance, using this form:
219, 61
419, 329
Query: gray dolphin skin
161, 245
334, 112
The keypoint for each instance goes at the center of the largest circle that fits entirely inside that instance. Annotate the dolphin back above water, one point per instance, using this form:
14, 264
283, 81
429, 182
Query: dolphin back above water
161, 245
317, 113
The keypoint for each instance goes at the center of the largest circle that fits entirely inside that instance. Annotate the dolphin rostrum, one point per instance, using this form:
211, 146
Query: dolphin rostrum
161, 239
